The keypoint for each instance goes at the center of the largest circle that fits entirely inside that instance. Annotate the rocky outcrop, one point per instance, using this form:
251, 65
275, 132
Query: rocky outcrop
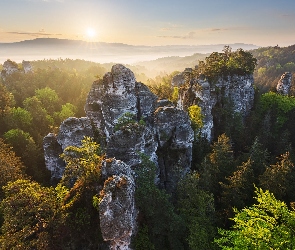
284, 84
71, 132
27, 67
174, 151
117, 208
52, 151
117, 94
10, 67
154, 128
237, 90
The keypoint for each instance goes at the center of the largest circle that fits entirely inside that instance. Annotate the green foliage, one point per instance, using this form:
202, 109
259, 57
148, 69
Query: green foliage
31, 216
165, 227
266, 225
217, 165
67, 110
19, 118
227, 63
162, 88
196, 206
174, 96
237, 189
6, 100
276, 178
19, 139
40, 116
196, 117
11, 167
279, 105
25, 147
125, 119
272, 62
49, 99
82, 163
142, 241
82, 176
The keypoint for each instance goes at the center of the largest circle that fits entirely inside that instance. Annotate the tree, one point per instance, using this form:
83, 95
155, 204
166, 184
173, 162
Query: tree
196, 206
82, 163
276, 178
259, 158
196, 117
25, 147
165, 228
237, 189
266, 225
11, 167
82, 176
31, 216
217, 165
39, 115
161, 86
49, 99
227, 63
67, 110
6, 100
19, 118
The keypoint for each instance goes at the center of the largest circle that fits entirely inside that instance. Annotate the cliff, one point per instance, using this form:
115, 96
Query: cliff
237, 90
128, 121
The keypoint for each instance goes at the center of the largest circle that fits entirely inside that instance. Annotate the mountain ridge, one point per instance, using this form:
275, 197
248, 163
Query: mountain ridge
53, 48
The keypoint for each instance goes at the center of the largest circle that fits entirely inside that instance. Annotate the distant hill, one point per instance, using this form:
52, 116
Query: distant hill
53, 48
166, 65
272, 62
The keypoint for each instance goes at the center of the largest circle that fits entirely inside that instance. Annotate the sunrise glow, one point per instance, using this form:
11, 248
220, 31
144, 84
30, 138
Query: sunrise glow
90, 33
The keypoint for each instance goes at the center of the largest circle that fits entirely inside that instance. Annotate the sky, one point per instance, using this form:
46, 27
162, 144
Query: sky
151, 22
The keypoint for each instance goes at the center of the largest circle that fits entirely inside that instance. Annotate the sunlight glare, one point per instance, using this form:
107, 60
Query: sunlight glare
91, 33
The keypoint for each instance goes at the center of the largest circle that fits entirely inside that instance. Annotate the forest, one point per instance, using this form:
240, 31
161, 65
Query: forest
239, 194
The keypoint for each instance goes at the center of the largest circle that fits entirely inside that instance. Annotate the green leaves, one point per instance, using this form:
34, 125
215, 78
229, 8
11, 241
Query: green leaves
196, 117
228, 63
30, 212
83, 163
266, 225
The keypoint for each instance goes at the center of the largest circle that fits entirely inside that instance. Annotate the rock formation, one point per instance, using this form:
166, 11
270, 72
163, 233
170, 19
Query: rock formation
284, 84
71, 132
10, 67
238, 90
27, 67
117, 207
154, 128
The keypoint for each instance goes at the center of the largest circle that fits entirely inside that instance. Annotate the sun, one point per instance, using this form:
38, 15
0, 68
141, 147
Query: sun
90, 32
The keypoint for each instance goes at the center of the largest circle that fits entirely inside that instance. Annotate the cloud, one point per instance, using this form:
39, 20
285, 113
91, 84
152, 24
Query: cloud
46, 1
35, 34
171, 27
190, 35
217, 29
196, 33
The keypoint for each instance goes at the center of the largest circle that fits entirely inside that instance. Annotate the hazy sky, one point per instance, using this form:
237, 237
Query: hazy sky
151, 22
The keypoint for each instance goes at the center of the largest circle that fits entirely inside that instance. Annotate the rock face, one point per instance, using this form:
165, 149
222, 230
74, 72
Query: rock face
10, 67
238, 90
117, 208
72, 131
28, 68
155, 128
284, 84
